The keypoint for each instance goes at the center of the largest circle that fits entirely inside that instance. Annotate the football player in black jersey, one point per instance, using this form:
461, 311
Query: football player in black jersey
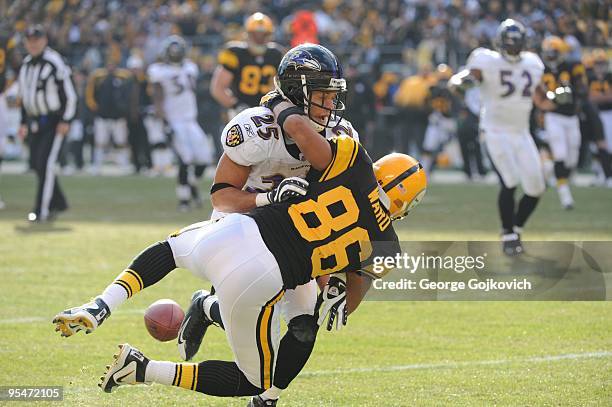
338, 227
600, 109
246, 69
565, 84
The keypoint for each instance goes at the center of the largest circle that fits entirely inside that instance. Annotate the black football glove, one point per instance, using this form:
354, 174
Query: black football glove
332, 301
288, 188
561, 96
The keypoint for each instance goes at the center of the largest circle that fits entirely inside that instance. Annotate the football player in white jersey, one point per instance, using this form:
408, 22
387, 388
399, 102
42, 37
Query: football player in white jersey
508, 81
174, 98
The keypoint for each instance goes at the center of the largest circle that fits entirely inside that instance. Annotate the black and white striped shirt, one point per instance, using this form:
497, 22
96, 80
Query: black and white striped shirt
46, 87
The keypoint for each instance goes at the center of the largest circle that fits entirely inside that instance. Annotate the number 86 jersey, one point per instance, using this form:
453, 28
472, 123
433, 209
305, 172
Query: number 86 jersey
506, 88
338, 226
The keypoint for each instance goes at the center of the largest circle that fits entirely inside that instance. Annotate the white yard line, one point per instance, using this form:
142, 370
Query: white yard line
28, 320
455, 365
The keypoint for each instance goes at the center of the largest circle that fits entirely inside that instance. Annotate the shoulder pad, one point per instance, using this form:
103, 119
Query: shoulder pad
343, 128
236, 45
532, 59
240, 141
480, 58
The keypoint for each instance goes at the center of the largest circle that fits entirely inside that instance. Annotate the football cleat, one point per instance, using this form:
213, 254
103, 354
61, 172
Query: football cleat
194, 326
258, 401
565, 196
86, 318
128, 367
511, 244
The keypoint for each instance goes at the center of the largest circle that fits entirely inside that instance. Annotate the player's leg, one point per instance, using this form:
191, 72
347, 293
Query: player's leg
505, 165
298, 308
532, 179
556, 133
203, 148
120, 137
101, 139
182, 147
604, 145
431, 142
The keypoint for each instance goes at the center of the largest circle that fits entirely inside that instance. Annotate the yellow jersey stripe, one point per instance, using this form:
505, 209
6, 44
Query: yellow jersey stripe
346, 151
264, 341
228, 59
329, 167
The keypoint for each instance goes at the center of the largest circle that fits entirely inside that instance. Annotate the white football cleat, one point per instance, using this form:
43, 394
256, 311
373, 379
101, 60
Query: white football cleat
565, 196
129, 367
86, 318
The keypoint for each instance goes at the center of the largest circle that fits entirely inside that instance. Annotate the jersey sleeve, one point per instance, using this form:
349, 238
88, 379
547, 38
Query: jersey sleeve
241, 144
192, 69
344, 152
154, 73
478, 59
228, 58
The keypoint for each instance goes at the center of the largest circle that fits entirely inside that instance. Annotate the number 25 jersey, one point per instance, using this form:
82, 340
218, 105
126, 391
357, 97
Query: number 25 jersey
507, 87
339, 226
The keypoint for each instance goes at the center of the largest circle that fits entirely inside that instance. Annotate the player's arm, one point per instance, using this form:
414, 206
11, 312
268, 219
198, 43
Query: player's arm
315, 148
464, 80
357, 286
158, 99
226, 193
600, 97
90, 90
541, 100
220, 87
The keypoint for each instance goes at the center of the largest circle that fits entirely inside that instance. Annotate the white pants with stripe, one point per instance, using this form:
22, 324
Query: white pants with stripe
606, 119
563, 137
192, 145
232, 255
516, 158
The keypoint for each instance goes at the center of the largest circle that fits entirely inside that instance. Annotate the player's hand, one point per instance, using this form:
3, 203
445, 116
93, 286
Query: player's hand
272, 99
288, 188
62, 128
22, 132
332, 301
561, 96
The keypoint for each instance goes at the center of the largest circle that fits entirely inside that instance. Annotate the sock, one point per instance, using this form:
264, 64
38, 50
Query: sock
160, 372
293, 353
505, 203
149, 267
273, 393
199, 171
605, 160
527, 205
211, 309
223, 379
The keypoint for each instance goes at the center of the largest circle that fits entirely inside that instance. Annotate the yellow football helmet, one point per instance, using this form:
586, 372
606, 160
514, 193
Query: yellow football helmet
553, 49
444, 71
403, 181
260, 23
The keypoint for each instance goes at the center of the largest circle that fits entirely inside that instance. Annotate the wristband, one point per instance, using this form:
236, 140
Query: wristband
262, 199
282, 116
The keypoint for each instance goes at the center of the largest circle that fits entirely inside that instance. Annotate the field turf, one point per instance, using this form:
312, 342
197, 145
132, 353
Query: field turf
390, 354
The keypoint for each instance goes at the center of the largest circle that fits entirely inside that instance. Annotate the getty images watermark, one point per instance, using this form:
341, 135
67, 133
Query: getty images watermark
480, 271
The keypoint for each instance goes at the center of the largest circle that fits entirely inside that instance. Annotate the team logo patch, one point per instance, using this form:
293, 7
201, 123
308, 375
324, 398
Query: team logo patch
303, 59
234, 136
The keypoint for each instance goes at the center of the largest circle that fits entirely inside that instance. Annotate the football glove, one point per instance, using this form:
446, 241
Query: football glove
561, 96
288, 188
332, 301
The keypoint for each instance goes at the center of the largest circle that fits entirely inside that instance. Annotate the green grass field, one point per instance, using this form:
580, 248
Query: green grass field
391, 354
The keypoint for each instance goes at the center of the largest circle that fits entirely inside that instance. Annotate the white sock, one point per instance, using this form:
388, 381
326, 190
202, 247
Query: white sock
160, 372
114, 295
272, 393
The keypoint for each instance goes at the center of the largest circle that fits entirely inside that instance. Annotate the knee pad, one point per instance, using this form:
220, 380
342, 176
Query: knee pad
304, 328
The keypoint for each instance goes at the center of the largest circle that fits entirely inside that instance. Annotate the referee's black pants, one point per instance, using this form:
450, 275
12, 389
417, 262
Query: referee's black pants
45, 147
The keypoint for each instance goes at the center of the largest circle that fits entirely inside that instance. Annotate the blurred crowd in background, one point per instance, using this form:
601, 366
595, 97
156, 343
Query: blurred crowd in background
383, 44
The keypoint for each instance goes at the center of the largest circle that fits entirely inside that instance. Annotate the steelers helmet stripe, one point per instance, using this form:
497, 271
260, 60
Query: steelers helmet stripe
402, 177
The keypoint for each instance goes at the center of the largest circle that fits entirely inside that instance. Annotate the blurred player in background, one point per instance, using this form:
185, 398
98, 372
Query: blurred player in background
508, 81
565, 84
107, 97
246, 70
137, 133
442, 125
600, 103
7, 61
174, 98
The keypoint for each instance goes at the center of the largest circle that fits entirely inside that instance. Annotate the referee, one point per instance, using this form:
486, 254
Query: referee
49, 102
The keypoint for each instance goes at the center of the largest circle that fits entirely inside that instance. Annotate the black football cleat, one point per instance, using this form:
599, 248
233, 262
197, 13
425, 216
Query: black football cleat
511, 244
258, 401
86, 318
194, 326
128, 367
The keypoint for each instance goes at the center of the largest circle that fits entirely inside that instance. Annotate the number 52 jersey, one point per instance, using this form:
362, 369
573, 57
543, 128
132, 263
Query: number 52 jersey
506, 88
338, 226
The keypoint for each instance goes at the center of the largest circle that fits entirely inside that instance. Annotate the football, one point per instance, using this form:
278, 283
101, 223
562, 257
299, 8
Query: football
163, 319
